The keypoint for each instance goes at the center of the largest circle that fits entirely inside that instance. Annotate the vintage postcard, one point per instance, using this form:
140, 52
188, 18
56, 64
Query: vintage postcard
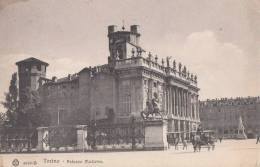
94, 83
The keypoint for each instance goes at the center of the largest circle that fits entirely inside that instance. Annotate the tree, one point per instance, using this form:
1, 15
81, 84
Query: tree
32, 114
11, 103
28, 113
2, 118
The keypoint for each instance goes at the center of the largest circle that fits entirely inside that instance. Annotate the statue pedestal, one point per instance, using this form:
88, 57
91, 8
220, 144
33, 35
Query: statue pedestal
241, 130
43, 139
241, 135
81, 138
156, 135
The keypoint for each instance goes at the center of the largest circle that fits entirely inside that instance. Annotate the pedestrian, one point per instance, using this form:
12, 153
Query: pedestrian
176, 142
184, 142
220, 139
257, 138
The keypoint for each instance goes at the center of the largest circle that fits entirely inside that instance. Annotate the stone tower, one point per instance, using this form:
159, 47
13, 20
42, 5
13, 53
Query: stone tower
29, 72
123, 44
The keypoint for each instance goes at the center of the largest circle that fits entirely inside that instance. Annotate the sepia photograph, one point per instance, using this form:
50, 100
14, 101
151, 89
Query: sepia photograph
112, 83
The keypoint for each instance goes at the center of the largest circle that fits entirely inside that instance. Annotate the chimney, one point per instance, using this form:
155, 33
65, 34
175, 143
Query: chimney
134, 29
111, 29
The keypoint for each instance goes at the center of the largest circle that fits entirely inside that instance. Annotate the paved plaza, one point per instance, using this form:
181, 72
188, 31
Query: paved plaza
229, 153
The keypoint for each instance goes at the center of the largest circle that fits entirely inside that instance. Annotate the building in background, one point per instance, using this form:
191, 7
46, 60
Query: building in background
223, 115
117, 90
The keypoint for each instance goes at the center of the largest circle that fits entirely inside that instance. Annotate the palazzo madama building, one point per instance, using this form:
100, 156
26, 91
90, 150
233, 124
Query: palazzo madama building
121, 88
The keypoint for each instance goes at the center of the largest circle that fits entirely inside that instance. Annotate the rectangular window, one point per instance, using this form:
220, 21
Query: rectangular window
125, 98
39, 67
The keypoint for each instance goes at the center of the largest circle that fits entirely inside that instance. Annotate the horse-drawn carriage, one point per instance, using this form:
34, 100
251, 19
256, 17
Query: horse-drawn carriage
203, 139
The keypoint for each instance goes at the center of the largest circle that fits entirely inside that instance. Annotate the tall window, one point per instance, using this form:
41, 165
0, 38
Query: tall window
127, 103
125, 98
62, 116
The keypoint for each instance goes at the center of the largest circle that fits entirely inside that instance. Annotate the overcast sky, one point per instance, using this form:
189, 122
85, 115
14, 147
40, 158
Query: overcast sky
216, 39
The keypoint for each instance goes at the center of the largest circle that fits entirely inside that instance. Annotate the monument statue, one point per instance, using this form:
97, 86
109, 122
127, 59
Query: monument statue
152, 109
241, 129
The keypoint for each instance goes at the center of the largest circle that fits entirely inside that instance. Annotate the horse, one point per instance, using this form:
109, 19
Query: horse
151, 109
196, 142
210, 140
202, 140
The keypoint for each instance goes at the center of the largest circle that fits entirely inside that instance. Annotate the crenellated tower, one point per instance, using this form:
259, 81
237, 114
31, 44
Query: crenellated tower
29, 72
123, 44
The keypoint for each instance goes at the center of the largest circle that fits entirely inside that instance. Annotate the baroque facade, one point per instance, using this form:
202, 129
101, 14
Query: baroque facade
120, 88
223, 115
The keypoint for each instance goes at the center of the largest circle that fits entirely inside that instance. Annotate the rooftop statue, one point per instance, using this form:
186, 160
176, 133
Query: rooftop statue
168, 58
162, 62
156, 58
174, 65
184, 71
180, 65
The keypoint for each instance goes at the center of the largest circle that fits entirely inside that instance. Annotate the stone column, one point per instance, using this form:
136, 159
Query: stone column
193, 106
180, 107
166, 99
156, 135
176, 101
43, 139
185, 103
180, 110
181, 102
174, 109
198, 108
176, 125
82, 144
184, 129
189, 105
188, 129
173, 125
170, 100
179, 125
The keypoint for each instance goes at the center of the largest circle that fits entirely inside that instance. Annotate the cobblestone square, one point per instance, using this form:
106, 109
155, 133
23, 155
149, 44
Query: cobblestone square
231, 153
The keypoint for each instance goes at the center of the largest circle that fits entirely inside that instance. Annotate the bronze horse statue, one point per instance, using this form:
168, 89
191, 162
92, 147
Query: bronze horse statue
151, 109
